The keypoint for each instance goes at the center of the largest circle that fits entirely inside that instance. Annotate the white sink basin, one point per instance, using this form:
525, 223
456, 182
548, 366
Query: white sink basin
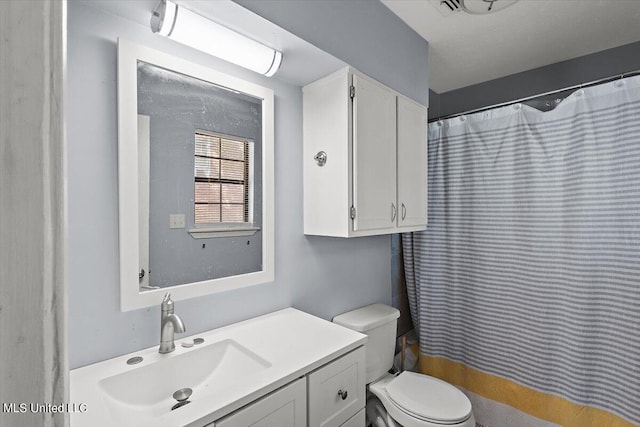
205, 368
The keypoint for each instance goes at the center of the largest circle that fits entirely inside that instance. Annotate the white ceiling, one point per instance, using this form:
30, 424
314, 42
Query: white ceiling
467, 49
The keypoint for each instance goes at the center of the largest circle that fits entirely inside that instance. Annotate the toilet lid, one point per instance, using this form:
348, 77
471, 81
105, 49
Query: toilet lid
429, 398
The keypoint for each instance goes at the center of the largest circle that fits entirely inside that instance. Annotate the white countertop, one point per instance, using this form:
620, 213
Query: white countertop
293, 342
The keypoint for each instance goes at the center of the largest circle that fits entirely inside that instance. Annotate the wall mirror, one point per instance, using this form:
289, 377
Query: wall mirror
195, 158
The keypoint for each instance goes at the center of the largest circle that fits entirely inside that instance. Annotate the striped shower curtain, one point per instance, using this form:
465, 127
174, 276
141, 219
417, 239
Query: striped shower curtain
525, 288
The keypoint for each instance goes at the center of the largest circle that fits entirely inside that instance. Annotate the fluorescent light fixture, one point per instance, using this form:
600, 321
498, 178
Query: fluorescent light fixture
186, 27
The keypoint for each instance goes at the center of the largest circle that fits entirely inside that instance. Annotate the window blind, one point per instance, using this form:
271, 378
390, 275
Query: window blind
221, 179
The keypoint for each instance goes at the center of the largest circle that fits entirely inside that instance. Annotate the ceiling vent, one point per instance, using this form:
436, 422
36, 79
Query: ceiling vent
484, 7
447, 7
473, 7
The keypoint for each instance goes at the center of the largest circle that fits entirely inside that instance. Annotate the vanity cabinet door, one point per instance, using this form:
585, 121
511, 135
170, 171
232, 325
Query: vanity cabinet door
337, 390
286, 407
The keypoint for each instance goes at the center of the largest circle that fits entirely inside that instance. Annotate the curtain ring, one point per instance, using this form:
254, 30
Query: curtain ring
619, 83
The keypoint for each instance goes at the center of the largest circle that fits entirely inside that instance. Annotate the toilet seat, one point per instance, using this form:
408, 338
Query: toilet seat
429, 398
416, 400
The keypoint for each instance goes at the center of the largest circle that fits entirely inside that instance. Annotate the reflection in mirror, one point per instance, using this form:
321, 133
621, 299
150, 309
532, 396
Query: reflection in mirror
195, 175
204, 191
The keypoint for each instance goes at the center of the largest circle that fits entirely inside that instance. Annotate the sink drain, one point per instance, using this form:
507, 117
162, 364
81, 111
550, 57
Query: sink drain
182, 396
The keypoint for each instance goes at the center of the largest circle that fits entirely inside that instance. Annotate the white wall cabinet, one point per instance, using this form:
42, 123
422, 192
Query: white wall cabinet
365, 158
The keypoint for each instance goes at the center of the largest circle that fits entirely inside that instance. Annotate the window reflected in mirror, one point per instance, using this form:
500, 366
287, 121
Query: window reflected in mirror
222, 180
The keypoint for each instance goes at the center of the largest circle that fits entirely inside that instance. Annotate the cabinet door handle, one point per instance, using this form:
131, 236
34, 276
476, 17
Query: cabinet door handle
404, 211
393, 212
343, 394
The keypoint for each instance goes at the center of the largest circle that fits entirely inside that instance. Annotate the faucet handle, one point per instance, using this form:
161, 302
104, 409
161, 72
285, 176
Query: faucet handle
167, 302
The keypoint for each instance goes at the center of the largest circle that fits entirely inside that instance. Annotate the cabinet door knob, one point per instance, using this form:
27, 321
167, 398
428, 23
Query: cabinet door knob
404, 211
320, 158
393, 212
343, 394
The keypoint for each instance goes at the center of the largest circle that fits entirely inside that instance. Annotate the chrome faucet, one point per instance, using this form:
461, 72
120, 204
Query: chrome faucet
169, 323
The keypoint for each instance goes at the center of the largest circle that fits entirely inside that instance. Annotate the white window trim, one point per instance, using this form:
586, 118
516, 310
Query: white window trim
223, 230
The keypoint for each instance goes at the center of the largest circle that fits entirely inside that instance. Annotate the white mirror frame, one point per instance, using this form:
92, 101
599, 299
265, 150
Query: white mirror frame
131, 297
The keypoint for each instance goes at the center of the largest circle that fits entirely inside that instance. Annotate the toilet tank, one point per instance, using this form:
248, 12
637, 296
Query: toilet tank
378, 322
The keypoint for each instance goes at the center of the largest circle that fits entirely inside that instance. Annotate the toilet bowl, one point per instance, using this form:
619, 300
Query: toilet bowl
407, 399
416, 400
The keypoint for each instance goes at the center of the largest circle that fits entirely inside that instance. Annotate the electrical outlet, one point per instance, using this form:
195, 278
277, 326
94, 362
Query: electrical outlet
176, 221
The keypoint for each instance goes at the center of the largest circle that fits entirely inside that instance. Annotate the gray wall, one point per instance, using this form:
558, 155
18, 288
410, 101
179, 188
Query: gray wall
399, 296
363, 33
434, 105
323, 276
556, 76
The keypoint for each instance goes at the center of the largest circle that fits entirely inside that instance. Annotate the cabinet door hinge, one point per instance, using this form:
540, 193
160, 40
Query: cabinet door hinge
353, 212
352, 91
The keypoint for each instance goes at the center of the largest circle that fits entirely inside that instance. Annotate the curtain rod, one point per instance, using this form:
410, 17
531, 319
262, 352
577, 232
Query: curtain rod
529, 98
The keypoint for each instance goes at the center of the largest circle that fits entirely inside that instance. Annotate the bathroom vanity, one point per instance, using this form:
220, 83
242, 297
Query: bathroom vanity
286, 368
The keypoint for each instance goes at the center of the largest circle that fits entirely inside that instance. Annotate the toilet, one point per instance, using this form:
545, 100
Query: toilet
407, 399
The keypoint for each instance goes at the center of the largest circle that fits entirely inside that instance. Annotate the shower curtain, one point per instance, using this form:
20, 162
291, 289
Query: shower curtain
525, 288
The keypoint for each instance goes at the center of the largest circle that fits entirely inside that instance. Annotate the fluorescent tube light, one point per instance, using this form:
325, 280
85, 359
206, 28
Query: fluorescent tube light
186, 27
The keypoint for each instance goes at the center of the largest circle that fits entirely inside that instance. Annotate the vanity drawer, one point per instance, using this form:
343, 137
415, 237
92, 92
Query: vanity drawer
358, 420
285, 407
336, 392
